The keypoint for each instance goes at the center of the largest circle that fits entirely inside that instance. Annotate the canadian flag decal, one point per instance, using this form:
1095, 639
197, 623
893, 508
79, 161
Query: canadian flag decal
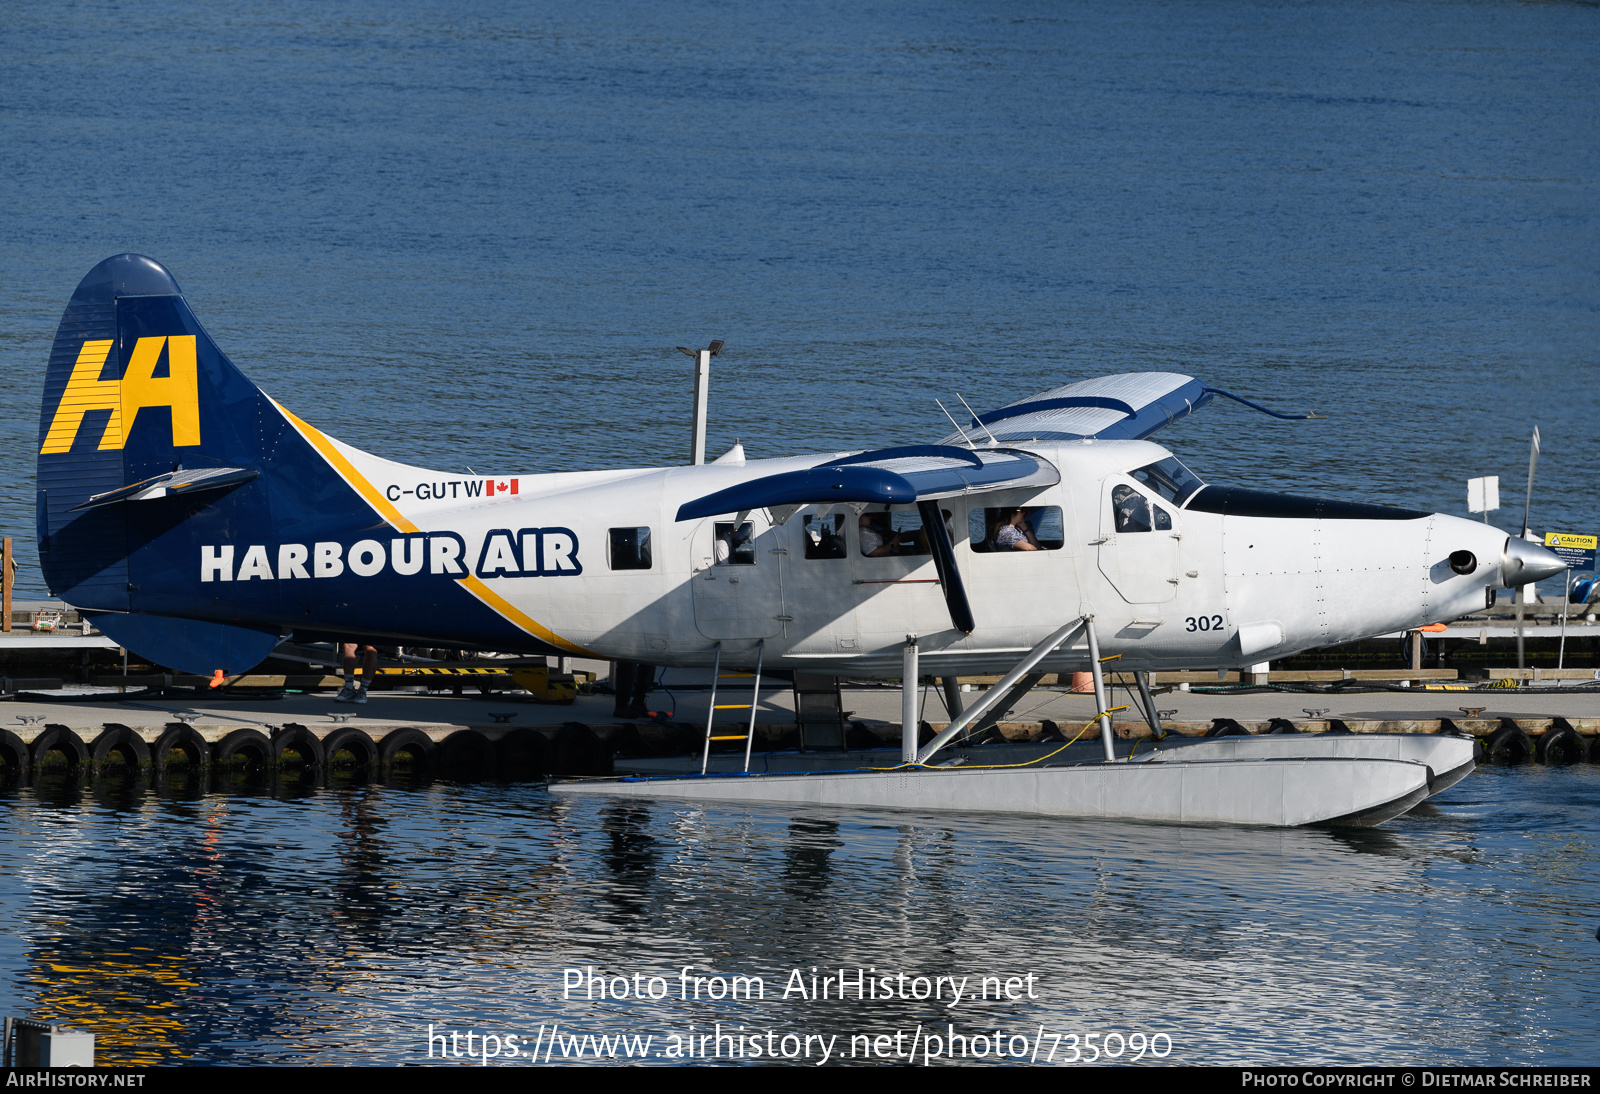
491, 487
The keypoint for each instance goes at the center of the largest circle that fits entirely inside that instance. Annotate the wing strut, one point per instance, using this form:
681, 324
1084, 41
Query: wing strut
944, 564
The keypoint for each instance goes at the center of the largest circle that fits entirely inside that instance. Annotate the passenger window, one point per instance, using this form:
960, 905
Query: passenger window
824, 535
1162, 517
735, 545
892, 532
630, 548
1010, 528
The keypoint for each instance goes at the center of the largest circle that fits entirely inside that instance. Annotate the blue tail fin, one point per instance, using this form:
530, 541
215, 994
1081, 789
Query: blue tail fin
157, 453
136, 390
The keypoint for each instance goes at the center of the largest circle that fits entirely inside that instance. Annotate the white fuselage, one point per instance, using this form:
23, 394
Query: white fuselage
1210, 591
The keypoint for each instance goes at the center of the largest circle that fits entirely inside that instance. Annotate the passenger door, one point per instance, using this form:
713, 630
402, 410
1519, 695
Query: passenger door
738, 580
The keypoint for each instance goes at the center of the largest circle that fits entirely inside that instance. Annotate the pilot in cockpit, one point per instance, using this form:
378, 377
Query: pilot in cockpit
1130, 511
877, 537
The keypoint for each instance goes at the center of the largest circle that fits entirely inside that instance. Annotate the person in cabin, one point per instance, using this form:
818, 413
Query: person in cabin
877, 538
1014, 533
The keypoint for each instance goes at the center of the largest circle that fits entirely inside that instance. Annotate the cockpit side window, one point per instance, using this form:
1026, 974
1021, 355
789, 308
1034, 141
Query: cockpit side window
1129, 510
1170, 479
892, 531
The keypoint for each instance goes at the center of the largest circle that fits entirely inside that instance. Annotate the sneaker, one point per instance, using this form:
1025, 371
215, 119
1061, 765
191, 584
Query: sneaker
347, 694
360, 696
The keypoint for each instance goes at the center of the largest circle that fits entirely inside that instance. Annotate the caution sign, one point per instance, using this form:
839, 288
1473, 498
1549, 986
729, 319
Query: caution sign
1575, 550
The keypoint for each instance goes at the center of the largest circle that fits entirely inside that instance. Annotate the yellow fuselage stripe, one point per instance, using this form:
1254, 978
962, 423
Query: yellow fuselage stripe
388, 512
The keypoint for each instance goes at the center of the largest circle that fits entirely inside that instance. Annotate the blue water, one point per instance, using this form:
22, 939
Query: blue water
335, 926
471, 235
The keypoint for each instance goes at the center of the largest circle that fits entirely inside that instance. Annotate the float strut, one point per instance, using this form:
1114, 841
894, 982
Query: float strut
998, 692
908, 702
1151, 715
1099, 689
952, 695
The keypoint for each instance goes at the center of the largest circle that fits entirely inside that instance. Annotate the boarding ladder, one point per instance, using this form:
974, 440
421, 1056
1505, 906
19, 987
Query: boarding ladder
717, 675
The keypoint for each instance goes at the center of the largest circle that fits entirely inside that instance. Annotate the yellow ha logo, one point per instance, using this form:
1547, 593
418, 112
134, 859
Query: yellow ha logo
138, 388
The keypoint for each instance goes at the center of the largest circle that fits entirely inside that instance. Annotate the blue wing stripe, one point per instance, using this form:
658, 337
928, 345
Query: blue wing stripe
850, 479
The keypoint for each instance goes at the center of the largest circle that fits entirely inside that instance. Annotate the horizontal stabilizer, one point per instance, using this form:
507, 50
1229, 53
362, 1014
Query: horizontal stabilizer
189, 645
890, 476
174, 483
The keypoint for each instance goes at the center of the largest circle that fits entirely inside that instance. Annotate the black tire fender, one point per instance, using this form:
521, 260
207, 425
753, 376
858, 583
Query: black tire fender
294, 739
119, 738
1226, 727
467, 755
243, 747
424, 752
1561, 744
355, 743
182, 738
1508, 744
57, 738
524, 753
576, 750
14, 759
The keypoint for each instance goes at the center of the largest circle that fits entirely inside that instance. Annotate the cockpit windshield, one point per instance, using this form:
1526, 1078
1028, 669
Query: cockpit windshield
1170, 479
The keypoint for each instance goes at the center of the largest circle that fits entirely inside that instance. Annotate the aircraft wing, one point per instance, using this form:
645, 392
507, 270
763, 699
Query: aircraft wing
1128, 406
887, 476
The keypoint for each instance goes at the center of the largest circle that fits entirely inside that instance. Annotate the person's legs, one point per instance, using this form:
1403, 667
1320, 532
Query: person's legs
369, 669
355, 691
622, 683
347, 658
644, 678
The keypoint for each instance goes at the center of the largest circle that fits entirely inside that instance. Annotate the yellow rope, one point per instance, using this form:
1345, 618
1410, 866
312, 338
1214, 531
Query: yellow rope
1025, 763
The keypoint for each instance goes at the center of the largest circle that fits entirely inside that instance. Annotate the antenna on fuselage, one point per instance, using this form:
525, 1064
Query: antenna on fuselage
702, 388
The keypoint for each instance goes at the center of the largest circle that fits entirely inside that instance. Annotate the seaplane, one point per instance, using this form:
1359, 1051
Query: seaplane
199, 523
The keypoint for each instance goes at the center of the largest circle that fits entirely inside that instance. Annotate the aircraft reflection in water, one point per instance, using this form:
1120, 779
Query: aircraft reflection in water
331, 927
198, 523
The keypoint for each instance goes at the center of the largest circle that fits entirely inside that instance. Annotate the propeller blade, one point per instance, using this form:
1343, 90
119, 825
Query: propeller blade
1527, 509
1533, 462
